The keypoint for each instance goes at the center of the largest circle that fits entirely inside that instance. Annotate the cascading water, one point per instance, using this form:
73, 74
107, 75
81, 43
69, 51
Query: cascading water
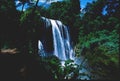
59, 49
41, 49
57, 35
61, 41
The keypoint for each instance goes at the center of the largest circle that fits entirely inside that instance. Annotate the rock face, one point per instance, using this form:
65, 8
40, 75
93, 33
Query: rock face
19, 67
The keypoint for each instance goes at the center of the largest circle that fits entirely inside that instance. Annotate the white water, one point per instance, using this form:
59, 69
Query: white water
61, 40
58, 41
82, 61
61, 45
41, 49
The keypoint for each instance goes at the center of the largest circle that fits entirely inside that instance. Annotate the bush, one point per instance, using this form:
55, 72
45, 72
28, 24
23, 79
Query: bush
102, 51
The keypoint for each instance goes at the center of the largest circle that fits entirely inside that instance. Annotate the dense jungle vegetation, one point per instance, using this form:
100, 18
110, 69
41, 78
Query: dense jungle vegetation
94, 32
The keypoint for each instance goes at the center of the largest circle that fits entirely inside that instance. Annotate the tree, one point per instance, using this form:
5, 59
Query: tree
113, 8
75, 6
95, 8
8, 18
23, 2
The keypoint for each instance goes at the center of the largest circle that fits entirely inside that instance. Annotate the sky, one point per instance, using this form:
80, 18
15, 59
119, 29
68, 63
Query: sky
82, 3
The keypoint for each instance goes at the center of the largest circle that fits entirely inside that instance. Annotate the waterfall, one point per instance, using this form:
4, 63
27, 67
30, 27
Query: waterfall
56, 41
60, 40
41, 49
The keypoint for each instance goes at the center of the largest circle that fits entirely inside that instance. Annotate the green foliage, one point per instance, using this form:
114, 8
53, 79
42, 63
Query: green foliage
96, 35
53, 66
102, 51
99, 39
59, 10
113, 7
113, 23
94, 9
8, 19
29, 23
